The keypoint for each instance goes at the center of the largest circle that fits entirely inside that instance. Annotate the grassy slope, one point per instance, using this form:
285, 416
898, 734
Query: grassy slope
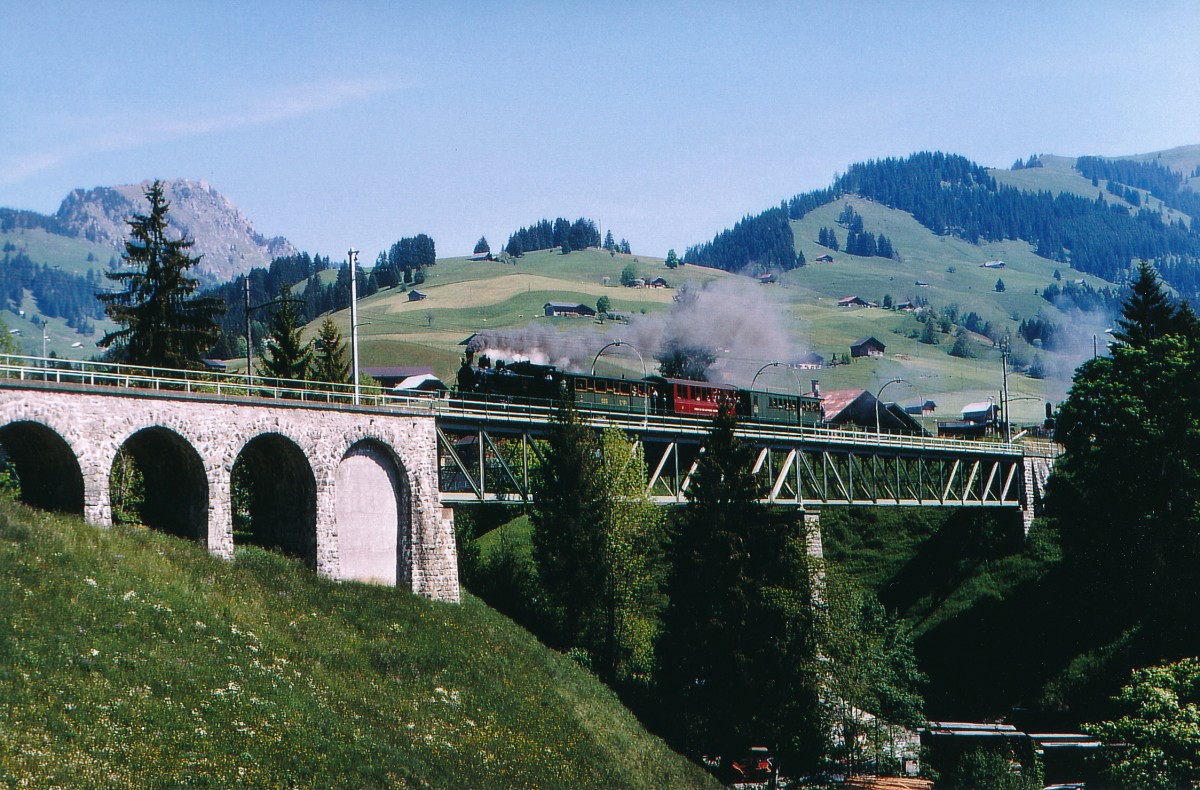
70, 255
128, 658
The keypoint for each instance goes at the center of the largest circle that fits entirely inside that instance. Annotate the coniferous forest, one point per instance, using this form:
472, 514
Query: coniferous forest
950, 195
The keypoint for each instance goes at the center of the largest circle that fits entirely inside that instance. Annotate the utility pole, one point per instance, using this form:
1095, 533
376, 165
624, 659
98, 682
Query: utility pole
1004, 392
249, 358
353, 256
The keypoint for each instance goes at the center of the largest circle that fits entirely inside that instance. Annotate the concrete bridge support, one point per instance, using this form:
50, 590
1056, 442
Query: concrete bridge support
354, 494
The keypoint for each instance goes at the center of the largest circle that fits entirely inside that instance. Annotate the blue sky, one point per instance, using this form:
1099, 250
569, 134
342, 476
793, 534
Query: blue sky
355, 124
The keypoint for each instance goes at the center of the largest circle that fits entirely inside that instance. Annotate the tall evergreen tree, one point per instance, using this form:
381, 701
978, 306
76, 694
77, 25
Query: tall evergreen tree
287, 356
1148, 313
162, 324
481, 246
737, 659
1126, 489
329, 360
568, 532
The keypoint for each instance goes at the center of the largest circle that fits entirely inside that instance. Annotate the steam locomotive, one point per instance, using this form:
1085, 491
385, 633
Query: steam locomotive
528, 382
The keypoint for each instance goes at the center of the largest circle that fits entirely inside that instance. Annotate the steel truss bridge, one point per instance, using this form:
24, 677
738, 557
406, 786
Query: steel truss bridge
487, 451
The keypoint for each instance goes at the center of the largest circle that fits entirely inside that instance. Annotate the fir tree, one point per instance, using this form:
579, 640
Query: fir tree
162, 325
329, 361
288, 356
1148, 313
737, 660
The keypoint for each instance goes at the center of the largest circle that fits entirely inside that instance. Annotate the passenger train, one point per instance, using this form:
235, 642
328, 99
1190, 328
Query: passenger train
528, 382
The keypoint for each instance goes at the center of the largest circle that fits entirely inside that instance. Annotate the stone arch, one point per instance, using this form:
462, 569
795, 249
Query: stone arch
373, 514
46, 465
282, 502
175, 484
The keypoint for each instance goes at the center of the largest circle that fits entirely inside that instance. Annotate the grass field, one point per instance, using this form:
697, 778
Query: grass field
132, 659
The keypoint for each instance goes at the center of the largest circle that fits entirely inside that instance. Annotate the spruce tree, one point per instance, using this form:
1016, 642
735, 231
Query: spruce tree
1148, 313
288, 356
162, 324
737, 659
329, 361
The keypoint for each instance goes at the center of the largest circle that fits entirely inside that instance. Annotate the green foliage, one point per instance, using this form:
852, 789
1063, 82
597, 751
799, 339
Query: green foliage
737, 659
994, 769
603, 304
568, 534
8, 343
999, 285
481, 246
629, 274
631, 560
871, 667
329, 361
162, 325
963, 347
1159, 731
672, 259
288, 356
126, 488
1137, 411
596, 540
132, 659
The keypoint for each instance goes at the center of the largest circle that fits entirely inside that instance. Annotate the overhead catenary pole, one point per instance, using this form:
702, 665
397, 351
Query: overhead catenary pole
353, 256
249, 369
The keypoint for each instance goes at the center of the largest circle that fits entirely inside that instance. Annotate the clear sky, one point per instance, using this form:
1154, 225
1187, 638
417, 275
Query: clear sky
354, 124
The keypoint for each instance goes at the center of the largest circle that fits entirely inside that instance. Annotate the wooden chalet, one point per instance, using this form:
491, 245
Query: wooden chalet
554, 309
867, 347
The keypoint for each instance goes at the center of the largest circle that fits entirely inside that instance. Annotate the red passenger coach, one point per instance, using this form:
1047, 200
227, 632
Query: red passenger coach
680, 396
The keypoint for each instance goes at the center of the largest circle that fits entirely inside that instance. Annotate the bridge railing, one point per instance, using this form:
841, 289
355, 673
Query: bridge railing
210, 382
446, 405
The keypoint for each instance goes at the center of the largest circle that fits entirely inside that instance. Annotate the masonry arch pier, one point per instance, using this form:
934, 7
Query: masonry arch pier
353, 490
280, 507
46, 466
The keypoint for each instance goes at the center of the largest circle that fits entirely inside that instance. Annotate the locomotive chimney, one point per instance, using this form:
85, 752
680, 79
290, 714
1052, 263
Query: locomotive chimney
816, 389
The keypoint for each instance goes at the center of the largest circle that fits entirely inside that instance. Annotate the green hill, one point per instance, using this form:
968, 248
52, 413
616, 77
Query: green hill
133, 659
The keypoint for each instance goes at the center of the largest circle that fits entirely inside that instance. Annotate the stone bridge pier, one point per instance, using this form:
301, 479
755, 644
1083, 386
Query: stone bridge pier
353, 493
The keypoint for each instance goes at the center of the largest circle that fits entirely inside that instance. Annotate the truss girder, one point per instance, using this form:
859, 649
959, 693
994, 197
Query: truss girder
485, 462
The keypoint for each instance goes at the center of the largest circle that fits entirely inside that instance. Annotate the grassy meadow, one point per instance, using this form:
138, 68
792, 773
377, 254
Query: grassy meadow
129, 658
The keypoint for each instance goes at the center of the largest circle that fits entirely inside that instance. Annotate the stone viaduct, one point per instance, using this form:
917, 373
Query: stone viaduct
362, 483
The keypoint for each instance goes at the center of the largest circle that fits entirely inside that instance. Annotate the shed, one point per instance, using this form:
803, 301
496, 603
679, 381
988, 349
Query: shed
824, 258
981, 412
392, 375
767, 279
853, 301
811, 361
415, 296
422, 383
921, 407
867, 347
658, 282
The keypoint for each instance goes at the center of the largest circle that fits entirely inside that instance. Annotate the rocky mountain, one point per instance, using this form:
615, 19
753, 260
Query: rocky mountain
223, 234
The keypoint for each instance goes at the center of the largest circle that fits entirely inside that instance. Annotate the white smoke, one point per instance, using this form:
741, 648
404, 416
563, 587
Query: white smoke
733, 317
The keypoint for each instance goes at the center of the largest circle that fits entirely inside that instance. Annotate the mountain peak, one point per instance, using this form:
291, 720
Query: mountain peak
223, 234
